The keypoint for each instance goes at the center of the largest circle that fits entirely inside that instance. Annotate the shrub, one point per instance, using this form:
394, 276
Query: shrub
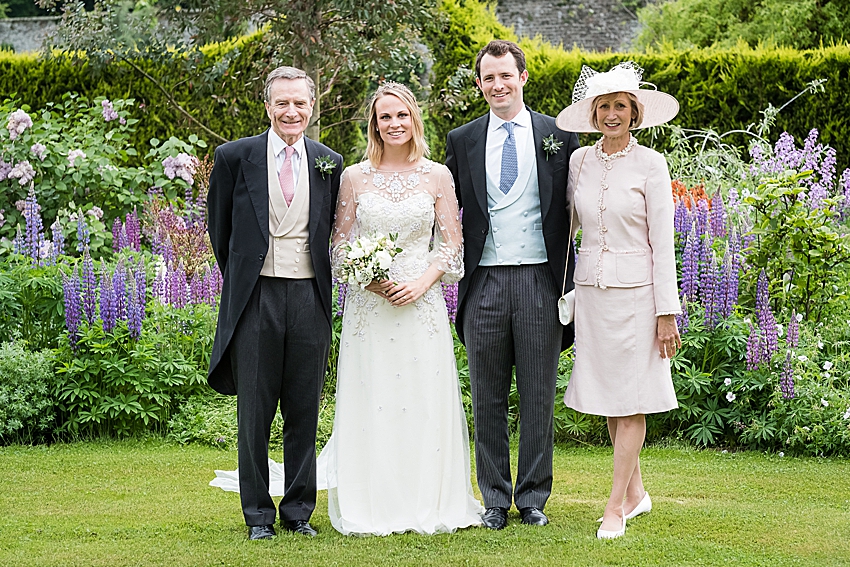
718, 89
27, 411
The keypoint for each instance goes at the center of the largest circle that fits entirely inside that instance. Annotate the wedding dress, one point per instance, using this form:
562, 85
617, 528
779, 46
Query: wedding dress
398, 458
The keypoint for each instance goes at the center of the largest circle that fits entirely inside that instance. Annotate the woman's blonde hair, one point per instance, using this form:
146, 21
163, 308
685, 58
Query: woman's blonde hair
637, 109
375, 144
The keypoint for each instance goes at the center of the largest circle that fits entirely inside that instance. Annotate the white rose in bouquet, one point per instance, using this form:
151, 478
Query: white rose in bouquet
368, 258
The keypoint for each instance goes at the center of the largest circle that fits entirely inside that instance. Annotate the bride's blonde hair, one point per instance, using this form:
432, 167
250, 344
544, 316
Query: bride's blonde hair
375, 144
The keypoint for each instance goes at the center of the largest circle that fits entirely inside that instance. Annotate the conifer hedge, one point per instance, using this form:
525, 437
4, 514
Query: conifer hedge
721, 89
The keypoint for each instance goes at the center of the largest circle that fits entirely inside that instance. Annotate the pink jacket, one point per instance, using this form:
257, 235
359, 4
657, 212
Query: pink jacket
627, 224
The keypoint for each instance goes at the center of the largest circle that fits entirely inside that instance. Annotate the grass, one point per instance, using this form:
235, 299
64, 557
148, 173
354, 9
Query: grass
148, 503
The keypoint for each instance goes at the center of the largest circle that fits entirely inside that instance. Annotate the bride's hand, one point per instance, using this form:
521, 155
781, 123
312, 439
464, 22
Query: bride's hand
405, 293
380, 287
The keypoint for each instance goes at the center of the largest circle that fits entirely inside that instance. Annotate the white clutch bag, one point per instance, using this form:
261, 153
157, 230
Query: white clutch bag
567, 307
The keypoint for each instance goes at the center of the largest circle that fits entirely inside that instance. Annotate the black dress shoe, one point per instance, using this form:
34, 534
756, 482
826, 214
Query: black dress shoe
302, 527
495, 518
261, 532
533, 517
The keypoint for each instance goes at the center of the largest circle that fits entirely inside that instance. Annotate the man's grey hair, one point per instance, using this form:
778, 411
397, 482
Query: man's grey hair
286, 72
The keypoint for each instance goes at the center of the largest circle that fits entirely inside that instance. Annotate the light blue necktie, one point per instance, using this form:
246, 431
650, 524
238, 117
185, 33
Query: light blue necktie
509, 162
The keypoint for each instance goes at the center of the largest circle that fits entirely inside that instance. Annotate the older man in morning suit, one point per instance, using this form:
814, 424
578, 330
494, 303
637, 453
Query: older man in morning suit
271, 208
512, 186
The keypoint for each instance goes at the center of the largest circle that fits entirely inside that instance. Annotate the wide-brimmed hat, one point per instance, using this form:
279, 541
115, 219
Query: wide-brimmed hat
658, 107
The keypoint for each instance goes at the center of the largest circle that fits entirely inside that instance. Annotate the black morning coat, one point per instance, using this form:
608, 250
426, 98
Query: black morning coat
238, 220
465, 157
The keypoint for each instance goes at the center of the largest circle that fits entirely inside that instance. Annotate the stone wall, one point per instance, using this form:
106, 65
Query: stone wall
26, 34
595, 25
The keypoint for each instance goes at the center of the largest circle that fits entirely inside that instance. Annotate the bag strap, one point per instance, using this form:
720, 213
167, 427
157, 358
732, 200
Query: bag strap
572, 206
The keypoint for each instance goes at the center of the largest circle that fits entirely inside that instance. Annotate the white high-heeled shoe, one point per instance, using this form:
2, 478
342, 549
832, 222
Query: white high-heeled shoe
644, 506
607, 534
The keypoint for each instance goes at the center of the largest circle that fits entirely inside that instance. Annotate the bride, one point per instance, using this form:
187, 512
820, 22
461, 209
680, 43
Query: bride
398, 458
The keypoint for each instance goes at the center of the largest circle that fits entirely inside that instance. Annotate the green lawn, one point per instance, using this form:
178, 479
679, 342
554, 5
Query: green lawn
148, 503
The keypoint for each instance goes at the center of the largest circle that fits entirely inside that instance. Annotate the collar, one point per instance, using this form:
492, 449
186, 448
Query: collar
278, 145
522, 119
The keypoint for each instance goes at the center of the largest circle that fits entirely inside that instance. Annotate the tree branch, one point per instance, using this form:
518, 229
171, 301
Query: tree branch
171, 100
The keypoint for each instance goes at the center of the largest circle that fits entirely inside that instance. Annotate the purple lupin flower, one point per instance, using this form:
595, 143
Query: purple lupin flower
89, 288
707, 270
702, 215
709, 293
681, 219
786, 381
136, 302
18, 245
34, 228
690, 266
58, 240
683, 320
450, 295
754, 351
717, 222
108, 310
216, 282
119, 290
766, 320
792, 338
786, 154
83, 236
134, 311
134, 231
197, 294
73, 307
116, 235
179, 287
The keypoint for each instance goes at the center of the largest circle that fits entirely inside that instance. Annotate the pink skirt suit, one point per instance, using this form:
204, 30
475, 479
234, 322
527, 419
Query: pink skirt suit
625, 277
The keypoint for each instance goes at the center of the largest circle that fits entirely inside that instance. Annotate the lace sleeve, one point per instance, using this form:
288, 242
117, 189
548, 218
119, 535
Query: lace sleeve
346, 227
448, 243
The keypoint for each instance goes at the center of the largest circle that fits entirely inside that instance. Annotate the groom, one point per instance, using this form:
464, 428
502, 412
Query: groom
510, 169
270, 211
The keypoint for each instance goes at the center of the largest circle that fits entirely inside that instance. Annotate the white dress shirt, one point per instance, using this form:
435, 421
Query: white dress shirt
278, 147
496, 136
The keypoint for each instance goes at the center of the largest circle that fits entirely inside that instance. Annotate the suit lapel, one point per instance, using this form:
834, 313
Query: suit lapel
476, 154
255, 172
544, 166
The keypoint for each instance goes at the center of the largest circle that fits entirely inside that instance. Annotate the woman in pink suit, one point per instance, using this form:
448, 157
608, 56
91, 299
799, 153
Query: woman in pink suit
626, 293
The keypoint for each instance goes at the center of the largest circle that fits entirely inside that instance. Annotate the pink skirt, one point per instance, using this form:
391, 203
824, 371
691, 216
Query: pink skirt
618, 370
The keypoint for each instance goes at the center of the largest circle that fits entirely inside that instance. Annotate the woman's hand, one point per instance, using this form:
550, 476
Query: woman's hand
380, 287
405, 293
668, 336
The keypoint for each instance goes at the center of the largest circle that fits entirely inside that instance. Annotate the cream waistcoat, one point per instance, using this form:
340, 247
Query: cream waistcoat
289, 247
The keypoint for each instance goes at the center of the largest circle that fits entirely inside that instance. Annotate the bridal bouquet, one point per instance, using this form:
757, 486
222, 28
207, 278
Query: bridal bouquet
367, 258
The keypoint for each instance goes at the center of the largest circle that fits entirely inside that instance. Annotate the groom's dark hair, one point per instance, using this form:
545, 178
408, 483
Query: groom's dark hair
499, 48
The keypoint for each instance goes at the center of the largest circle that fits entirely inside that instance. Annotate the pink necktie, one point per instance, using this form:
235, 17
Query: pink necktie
287, 183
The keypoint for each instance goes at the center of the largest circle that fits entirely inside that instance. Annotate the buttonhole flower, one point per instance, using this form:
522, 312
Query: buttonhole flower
827, 365
551, 146
325, 165
730, 397
824, 403
727, 382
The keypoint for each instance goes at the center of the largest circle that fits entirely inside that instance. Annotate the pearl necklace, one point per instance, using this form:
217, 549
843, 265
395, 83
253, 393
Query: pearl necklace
606, 159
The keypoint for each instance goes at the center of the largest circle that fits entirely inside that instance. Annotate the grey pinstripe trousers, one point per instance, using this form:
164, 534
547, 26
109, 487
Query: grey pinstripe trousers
511, 321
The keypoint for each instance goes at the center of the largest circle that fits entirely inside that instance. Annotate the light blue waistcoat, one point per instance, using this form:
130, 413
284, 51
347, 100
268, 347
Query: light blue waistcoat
516, 225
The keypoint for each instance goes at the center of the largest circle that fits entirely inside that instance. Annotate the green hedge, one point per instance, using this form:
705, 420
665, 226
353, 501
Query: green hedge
718, 89
232, 105
721, 89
